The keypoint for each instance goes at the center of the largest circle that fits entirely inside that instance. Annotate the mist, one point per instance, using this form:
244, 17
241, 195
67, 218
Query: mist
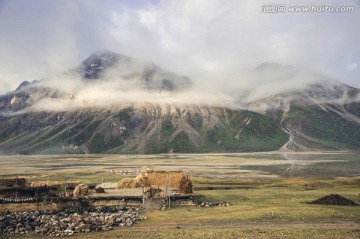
123, 83
218, 45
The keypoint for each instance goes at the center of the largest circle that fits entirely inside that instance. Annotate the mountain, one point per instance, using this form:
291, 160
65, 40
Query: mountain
142, 128
100, 67
127, 127
42, 118
322, 115
143, 74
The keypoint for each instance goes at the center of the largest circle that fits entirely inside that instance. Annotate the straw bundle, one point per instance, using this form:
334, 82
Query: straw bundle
127, 183
81, 190
142, 181
167, 179
39, 184
185, 186
137, 182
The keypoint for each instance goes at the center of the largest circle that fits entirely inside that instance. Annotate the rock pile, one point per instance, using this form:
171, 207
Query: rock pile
67, 223
214, 204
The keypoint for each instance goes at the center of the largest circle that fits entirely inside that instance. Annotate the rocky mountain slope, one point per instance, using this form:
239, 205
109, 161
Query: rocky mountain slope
145, 75
322, 115
141, 128
128, 127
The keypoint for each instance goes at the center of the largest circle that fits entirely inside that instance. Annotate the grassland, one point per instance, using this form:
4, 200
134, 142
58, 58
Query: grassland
263, 204
263, 209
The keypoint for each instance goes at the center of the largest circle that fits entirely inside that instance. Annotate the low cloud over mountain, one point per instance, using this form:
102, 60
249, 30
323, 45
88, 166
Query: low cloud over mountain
112, 103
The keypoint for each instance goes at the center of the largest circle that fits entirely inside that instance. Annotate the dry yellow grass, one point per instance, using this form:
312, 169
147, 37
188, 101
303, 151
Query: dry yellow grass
81, 190
127, 183
185, 186
143, 181
161, 178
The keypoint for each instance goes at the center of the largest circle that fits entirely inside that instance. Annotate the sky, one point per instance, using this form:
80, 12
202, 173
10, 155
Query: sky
203, 39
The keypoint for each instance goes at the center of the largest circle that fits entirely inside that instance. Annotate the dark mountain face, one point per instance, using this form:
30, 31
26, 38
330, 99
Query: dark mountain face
95, 64
144, 75
140, 128
322, 115
26, 96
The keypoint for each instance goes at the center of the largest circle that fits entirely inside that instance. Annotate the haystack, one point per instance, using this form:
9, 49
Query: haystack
186, 186
143, 181
39, 184
81, 190
127, 183
137, 182
167, 179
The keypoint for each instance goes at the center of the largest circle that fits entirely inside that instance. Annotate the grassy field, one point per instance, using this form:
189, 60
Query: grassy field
266, 209
263, 204
261, 209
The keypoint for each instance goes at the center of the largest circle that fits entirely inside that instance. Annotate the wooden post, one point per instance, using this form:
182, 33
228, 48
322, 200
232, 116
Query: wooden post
143, 195
65, 178
37, 202
168, 186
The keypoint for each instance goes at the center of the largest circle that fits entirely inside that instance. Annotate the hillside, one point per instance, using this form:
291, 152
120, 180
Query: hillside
323, 115
41, 118
140, 129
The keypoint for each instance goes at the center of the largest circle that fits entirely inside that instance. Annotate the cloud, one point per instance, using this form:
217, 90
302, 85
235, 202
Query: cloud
133, 82
352, 66
198, 38
215, 37
105, 94
41, 39
124, 83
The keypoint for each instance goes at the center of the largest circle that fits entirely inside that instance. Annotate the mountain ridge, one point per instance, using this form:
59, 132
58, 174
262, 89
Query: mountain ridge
141, 128
323, 115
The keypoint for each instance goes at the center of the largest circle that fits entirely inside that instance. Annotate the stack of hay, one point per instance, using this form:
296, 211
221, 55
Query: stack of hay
137, 182
170, 179
162, 179
166, 179
186, 186
39, 184
81, 190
